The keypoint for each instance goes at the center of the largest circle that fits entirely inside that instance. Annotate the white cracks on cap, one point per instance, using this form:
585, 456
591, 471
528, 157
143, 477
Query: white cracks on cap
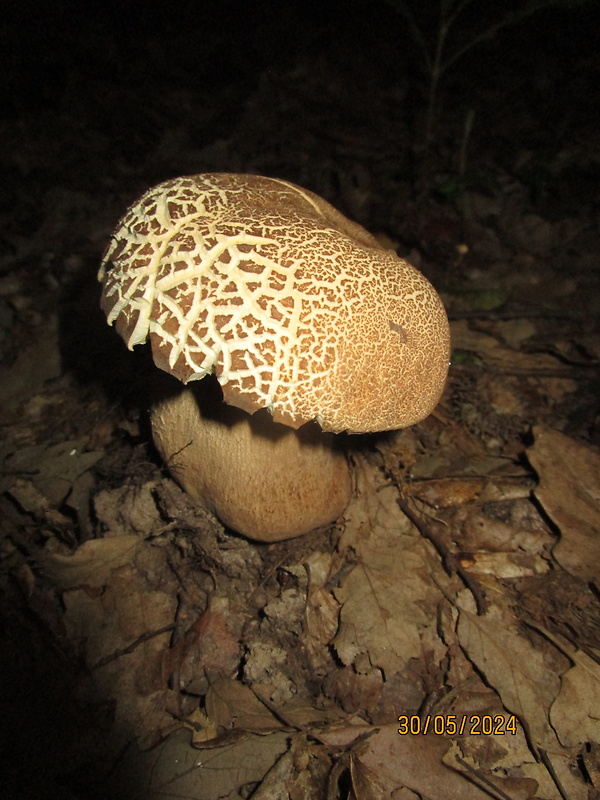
294, 307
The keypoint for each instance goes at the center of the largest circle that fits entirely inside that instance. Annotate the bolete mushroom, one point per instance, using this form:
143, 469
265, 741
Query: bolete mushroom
297, 310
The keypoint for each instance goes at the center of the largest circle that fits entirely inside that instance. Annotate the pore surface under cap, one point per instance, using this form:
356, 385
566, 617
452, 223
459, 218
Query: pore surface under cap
294, 307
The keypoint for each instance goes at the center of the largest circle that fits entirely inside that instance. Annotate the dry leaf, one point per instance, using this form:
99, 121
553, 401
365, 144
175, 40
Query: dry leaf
91, 564
176, 770
389, 596
298, 774
54, 469
209, 650
495, 353
120, 616
481, 532
322, 609
573, 786
230, 704
414, 762
451, 492
469, 765
569, 491
591, 759
575, 714
274, 784
514, 668
504, 565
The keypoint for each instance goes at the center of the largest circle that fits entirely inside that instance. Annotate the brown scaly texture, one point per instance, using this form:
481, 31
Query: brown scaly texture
294, 307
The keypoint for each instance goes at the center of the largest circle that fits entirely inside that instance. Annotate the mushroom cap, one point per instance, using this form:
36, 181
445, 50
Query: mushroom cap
294, 307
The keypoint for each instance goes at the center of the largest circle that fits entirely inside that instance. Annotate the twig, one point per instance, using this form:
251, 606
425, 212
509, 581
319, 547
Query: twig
548, 764
123, 651
494, 789
449, 560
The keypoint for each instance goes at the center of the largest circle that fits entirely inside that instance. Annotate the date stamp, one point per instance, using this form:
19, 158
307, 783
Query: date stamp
453, 725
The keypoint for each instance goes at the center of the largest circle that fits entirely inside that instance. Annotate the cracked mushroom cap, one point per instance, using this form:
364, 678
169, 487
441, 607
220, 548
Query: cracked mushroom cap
294, 307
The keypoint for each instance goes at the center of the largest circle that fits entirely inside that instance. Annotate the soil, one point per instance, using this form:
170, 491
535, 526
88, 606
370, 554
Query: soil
148, 651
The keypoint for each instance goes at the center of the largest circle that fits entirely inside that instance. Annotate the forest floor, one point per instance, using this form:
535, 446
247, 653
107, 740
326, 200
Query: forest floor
442, 639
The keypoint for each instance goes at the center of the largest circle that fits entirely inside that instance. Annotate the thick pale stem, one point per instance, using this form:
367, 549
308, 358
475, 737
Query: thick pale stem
263, 480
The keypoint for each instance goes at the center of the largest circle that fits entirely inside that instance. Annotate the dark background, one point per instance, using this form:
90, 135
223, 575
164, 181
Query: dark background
98, 101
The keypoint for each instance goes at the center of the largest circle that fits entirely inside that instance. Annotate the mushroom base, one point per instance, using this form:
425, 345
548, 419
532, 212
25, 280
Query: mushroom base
262, 479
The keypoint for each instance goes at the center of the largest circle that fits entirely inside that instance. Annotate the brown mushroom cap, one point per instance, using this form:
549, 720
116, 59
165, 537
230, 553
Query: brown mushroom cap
295, 308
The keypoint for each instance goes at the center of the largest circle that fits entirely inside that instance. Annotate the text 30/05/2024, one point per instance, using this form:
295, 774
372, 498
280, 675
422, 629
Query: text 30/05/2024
475, 725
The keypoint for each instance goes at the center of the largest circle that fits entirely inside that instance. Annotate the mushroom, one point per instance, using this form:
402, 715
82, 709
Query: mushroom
297, 310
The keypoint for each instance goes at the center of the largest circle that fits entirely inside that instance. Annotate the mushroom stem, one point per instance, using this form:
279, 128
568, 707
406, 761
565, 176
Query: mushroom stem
262, 479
